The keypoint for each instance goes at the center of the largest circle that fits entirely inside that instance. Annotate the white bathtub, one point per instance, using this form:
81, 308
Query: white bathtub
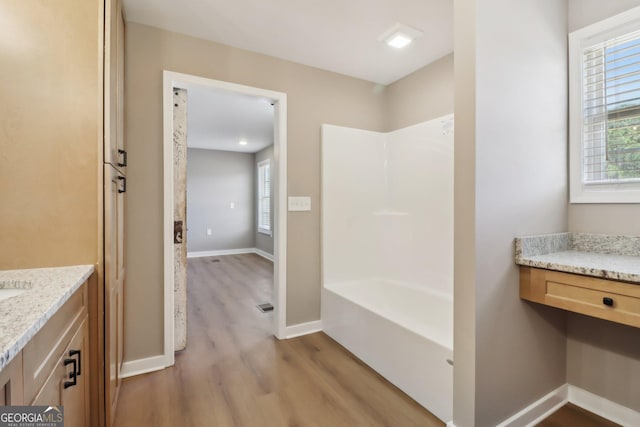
403, 333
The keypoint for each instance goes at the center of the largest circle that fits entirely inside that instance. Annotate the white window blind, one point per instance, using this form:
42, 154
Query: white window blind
604, 110
264, 196
611, 111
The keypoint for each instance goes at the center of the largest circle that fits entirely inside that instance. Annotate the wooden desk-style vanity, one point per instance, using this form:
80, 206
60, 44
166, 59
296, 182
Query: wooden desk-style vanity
594, 275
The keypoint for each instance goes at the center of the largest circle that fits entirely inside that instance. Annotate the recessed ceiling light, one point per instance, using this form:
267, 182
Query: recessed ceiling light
400, 35
243, 142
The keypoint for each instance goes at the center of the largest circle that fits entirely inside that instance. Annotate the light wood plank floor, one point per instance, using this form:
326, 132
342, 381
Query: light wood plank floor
573, 416
235, 373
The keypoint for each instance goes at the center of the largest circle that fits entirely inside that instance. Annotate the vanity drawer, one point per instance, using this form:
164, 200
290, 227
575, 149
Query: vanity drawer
42, 353
606, 299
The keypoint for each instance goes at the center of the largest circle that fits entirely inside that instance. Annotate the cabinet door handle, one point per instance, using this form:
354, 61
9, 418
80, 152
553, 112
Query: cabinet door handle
124, 184
124, 158
73, 375
607, 301
79, 354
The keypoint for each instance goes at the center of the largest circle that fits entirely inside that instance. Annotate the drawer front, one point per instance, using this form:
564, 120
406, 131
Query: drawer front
73, 398
607, 305
605, 299
42, 353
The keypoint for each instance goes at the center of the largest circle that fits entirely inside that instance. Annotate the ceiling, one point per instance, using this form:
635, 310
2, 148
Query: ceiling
335, 35
219, 120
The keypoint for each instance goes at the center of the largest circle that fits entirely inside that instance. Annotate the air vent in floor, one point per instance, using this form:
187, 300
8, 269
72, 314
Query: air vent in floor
266, 307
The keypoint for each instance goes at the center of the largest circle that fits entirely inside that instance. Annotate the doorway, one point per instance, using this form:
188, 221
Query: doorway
173, 234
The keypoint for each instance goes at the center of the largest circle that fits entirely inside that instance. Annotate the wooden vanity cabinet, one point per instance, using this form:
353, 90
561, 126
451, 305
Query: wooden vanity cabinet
53, 367
602, 298
68, 384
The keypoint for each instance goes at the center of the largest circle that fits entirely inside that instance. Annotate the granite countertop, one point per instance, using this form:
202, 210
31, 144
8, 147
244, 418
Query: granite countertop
604, 256
23, 315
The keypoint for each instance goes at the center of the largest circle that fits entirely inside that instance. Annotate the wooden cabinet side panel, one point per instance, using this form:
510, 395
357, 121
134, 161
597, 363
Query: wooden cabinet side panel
11, 383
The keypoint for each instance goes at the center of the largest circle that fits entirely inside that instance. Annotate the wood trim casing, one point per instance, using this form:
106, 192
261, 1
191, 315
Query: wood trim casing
582, 294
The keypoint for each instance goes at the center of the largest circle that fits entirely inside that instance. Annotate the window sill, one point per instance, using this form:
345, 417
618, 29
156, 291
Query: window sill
265, 231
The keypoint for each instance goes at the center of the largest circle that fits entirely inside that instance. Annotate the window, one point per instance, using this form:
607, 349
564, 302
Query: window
264, 197
605, 111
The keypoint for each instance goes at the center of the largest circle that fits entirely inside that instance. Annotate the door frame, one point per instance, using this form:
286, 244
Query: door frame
179, 80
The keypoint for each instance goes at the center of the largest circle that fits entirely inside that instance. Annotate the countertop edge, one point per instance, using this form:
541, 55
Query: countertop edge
582, 270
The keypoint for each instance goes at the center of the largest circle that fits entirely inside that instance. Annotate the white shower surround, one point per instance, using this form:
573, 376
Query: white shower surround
387, 253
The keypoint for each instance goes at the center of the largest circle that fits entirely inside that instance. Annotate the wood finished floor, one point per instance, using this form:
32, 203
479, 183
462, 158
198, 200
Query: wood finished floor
573, 416
235, 373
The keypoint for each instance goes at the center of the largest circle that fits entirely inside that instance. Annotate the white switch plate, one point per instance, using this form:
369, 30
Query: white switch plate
208, 232
232, 205
298, 204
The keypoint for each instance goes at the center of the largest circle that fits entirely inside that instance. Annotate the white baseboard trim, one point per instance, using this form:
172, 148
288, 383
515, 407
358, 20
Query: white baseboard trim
264, 254
540, 409
303, 329
142, 366
603, 407
202, 254
451, 424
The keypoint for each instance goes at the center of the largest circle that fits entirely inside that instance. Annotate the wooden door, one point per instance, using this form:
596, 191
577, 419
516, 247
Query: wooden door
114, 141
115, 188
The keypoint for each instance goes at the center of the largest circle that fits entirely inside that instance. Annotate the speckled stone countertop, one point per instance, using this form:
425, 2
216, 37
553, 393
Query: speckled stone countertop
597, 255
46, 290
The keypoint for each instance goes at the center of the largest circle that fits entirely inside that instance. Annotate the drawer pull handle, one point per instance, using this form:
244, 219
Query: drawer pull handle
607, 301
79, 354
72, 375
122, 163
124, 185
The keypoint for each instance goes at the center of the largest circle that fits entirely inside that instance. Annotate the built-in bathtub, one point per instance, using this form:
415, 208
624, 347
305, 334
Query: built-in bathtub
402, 332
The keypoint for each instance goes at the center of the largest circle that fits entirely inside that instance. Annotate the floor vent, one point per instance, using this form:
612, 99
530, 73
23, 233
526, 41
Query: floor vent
215, 260
266, 307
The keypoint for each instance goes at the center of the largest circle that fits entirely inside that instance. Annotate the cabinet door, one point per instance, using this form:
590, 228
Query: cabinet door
11, 390
74, 398
115, 191
114, 146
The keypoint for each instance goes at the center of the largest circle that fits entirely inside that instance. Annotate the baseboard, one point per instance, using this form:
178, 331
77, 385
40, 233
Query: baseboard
540, 409
142, 366
451, 424
264, 254
603, 407
201, 254
303, 329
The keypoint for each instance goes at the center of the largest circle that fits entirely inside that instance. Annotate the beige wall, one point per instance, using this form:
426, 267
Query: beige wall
603, 357
214, 180
314, 97
50, 161
423, 95
511, 174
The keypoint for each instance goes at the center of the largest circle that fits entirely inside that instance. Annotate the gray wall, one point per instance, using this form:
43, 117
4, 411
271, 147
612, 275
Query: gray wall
423, 95
215, 179
511, 179
603, 357
314, 97
264, 242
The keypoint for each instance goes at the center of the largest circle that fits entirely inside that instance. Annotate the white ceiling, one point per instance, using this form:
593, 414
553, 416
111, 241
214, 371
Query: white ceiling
335, 35
218, 120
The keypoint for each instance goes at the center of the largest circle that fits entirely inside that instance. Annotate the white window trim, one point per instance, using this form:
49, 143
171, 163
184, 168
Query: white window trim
588, 36
263, 230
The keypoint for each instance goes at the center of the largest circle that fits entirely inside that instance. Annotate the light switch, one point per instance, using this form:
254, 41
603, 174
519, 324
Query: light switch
232, 205
297, 204
208, 232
